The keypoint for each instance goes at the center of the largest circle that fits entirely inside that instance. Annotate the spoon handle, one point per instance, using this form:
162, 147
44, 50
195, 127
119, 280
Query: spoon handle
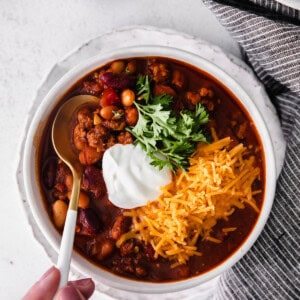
66, 246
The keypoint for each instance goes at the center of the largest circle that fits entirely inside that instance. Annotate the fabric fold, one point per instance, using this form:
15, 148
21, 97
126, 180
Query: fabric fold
269, 35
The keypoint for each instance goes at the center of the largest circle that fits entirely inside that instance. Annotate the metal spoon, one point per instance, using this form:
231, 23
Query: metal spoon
61, 142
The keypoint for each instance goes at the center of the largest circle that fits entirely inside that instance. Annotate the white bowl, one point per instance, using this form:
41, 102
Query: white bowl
31, 178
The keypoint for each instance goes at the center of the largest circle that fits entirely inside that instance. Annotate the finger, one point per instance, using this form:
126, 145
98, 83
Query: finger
70, 293
86, 286
46, 287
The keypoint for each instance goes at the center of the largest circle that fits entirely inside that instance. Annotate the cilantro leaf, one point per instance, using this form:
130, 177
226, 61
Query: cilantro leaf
143, 88
169, 139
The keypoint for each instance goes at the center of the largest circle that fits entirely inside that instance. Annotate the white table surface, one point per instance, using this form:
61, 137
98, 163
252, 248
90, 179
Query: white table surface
34, 35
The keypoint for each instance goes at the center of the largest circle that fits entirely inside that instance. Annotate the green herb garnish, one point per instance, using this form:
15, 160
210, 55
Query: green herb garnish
117, 114
168, 138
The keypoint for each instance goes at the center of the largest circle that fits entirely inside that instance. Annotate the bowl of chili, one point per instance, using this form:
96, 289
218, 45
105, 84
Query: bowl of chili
207, 132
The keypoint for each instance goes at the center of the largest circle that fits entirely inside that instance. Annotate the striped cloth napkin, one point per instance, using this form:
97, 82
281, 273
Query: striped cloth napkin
269, 35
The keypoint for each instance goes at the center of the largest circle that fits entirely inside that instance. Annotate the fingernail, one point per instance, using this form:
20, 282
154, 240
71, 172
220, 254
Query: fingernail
69, 293
52, 269
85, 283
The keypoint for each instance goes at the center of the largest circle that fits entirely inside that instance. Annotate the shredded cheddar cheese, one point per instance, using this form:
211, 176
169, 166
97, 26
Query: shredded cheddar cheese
218, 181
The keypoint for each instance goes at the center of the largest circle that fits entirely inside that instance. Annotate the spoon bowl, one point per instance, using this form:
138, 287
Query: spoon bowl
61, 143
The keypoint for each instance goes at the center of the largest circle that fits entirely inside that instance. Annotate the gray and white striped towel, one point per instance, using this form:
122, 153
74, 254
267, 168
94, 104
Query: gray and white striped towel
269, 35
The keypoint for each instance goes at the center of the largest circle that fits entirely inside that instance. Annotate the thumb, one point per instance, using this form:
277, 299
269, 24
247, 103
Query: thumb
69, 293
46, 287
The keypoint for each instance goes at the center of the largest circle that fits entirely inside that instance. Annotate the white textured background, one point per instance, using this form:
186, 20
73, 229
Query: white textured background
35, 34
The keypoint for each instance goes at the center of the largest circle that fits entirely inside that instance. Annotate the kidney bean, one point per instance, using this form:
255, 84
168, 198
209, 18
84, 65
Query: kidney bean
118, 81
109, 97
92, 180
88, 221
49, 172
62, 180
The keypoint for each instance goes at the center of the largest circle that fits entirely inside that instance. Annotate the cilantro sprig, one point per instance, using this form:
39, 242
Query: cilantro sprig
168, 138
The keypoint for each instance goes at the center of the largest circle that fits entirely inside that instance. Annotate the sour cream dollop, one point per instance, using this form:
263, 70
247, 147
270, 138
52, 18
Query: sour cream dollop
130, 179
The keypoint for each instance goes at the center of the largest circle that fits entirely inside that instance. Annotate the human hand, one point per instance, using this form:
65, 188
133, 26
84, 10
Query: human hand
46, 288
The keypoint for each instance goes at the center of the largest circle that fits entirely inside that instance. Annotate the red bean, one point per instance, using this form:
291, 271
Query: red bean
49, 173
92, 180
118, 81
88, 221
109, 97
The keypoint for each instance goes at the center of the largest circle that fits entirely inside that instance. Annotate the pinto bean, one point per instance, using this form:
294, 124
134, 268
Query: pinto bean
107, 112
106, 248
127, 97
131, 67
120, 226
59, 211
117, 66
83, 199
